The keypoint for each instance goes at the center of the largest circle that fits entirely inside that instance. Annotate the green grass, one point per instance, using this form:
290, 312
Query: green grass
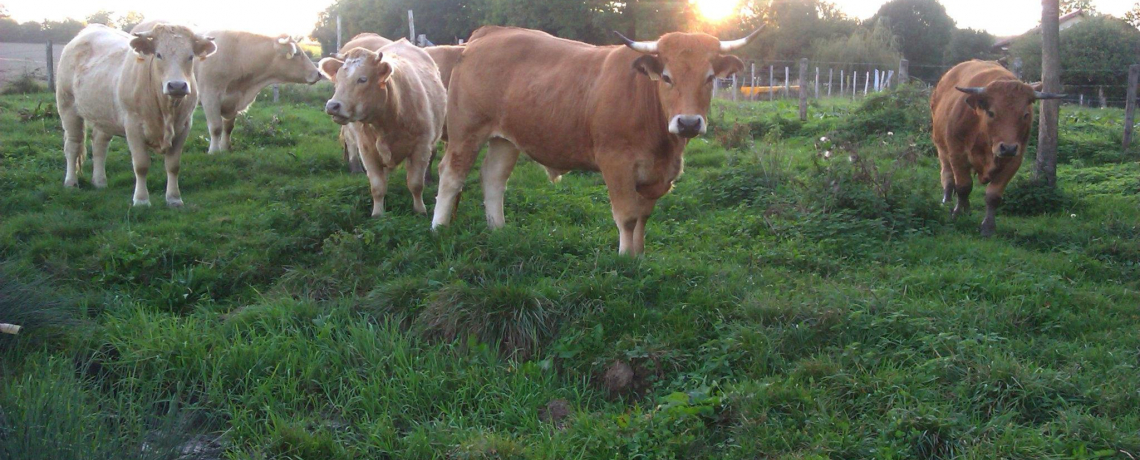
790, 305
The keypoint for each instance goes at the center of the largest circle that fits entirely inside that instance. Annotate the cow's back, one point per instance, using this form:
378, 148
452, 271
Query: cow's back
445, 57
531, 88
89, 71
367, 40
423, 95
948, 106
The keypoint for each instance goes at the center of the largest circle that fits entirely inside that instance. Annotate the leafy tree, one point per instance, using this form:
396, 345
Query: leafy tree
792, 27
875, 45
61, 31
923, 29
1133, 15
1094, 52
1072, 6
966, 44
130, 20
104, 17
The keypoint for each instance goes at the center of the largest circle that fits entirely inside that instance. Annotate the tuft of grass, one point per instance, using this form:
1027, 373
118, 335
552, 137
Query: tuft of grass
26, 83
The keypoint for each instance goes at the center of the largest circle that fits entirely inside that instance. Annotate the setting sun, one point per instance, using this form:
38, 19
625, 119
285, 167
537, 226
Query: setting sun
717, 10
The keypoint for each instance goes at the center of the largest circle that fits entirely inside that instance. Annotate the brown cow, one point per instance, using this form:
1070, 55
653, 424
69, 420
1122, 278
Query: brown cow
350, 134
137, 86
626, 111
397, 93
982, 116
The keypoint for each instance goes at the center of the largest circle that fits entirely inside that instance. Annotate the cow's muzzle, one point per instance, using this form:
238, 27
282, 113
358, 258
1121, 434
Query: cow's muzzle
315, 77
336, 110
688, 126
1007, 150
176, 88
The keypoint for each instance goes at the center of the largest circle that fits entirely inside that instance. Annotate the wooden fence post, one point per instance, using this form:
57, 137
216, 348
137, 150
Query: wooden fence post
830, 73
803, 89
276, 94
338, 35
1100, 94
854, 83
816, 94
1046, 165
411, 27
771, 83
50, 67
1130, 103
842, 82
904, 72
787, 81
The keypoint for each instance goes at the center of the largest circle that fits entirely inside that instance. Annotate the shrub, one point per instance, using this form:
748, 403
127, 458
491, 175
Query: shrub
1034, 197
902, 110
25, 84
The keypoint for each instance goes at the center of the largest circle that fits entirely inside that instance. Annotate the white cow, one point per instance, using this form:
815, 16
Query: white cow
140, 87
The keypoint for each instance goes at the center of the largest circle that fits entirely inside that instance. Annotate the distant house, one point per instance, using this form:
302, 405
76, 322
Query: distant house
1069, 20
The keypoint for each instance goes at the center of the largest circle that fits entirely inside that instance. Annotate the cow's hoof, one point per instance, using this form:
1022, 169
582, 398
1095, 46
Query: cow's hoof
987, 230
141, 202
175, 203
71, 184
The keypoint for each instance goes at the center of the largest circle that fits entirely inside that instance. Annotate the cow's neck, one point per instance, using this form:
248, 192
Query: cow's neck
162, 114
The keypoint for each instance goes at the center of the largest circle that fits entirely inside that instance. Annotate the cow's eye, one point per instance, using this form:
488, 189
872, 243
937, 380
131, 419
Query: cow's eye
991, 113
158, 55
362, 80
189, 58
1026, 116
665, 78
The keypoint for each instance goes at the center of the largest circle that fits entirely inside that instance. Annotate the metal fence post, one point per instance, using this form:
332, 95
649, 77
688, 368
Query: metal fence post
50, 67
1130, 103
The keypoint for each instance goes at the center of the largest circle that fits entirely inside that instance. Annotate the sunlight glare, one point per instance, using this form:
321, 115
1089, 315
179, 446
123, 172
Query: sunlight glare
717, 10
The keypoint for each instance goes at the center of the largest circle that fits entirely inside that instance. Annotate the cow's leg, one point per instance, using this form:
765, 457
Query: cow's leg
99, 142
963, 184
141, 162
173, 163
227, 133
417, 165
214, 122
947, 177
377, 172
497, 166
453, 169
355, 163
74, 145
630, 210
994, 192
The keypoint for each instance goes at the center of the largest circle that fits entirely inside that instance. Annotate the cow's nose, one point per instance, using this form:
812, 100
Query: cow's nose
1007, 150
332, 107
177, 88
689, 126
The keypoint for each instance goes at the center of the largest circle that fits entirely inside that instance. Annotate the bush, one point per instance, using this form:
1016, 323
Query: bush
25, 84
1034, 197
902, 110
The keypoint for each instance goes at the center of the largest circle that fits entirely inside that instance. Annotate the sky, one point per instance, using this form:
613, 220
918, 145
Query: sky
999, 17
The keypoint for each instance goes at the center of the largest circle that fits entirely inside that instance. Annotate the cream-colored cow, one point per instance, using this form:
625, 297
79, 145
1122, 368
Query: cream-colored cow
396, 92
245, 63
140, 87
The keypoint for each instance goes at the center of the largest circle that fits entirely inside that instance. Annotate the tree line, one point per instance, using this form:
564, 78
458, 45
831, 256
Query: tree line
63, 31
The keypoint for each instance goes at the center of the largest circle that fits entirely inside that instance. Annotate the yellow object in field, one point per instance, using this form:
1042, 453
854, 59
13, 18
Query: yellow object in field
755, 90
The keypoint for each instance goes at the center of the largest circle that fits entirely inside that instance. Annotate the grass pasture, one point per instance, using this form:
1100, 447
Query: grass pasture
804, 296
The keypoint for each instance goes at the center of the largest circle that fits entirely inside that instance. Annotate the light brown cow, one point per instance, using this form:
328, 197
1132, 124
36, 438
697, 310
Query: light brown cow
626, 111
245, 63
445, 57
982, 117
140, 87
349, 134
397, 93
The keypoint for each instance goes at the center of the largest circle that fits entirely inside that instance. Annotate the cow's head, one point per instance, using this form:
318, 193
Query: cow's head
361, 78
291, 64
170, 50
1006, 110
685, 66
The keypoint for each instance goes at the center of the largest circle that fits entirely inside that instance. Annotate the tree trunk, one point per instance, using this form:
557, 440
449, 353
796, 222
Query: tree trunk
1046, 167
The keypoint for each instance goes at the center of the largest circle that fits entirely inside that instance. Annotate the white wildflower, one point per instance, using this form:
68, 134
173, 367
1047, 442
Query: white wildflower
827, 154
823, 139
890, 133
1072, 216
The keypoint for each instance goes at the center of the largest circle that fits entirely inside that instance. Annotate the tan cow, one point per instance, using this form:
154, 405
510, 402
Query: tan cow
397, 93
140, 87
445, 57
626, 111
349, 134
982, 117
245, 63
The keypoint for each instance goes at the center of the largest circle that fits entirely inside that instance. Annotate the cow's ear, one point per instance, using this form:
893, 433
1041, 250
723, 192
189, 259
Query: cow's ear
329, 67
978, 101
383, 71
649, 65
204, 46
142, 45
726, 66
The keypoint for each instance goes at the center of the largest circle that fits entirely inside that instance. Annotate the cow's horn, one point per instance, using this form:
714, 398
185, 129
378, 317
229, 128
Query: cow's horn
728, 46
282, 40
971, 89
1041, 95
641, 47
144, 34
